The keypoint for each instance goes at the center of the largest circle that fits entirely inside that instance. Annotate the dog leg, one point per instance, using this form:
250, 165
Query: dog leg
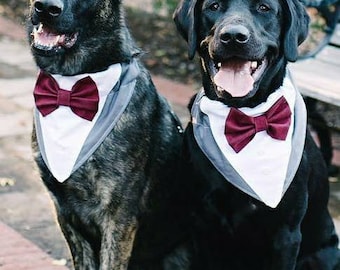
180, 258
113, 253
117, 243
286, 248
325, 259
82, 253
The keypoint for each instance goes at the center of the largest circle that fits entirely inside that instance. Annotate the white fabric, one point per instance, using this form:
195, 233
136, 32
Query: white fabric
63, 132
262, 163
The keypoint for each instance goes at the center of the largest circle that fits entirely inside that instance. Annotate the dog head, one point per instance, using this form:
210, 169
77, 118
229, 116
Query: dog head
74, 36
244, 45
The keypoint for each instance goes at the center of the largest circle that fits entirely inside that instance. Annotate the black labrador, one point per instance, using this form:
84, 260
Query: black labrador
107, 150
255, 176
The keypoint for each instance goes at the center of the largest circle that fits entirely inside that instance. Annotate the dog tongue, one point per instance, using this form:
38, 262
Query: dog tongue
235, 78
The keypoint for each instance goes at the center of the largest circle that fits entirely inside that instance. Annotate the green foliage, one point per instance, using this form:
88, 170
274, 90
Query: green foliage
15, 9
165, 5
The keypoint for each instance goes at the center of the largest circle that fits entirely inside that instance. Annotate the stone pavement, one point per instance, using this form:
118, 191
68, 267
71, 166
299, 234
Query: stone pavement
29, 235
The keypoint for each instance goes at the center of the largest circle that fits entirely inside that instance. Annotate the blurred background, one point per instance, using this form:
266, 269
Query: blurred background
165, 51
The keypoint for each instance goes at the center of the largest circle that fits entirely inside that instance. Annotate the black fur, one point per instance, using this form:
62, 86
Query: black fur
201, 27
233, 230
122, 200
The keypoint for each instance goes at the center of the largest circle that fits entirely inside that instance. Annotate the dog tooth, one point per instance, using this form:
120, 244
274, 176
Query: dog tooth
40, 29
219, 65
57, 39
34, 33
219, 88
254, 65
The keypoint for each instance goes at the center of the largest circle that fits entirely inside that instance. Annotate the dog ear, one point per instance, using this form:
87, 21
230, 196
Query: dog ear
296, 21
184, 17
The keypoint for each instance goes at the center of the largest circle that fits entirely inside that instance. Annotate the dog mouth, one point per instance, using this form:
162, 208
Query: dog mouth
237, 76
46, 39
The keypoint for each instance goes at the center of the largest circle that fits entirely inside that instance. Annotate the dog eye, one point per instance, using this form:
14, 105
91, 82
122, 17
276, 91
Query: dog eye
214, 6
263, 8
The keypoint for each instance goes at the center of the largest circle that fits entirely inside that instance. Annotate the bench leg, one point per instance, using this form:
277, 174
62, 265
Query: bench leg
319, 125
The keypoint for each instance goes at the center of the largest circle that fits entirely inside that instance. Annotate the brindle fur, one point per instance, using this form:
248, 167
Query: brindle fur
122, 200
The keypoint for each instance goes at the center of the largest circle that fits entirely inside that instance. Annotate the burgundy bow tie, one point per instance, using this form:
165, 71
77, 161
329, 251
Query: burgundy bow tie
240, 128
83, 99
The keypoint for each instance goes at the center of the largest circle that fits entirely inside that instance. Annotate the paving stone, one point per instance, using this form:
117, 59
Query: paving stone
16, 53
12, 88
15, 124
17, 253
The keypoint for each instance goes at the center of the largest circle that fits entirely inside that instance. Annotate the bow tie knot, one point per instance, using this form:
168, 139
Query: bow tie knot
240, 128
64, 98
83, 99
260, 123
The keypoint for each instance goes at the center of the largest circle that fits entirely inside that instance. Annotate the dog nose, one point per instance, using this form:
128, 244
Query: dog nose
235, 33
48, 8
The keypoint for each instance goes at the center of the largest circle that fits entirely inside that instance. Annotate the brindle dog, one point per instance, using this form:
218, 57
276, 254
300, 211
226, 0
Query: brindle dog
244, 47
117, 208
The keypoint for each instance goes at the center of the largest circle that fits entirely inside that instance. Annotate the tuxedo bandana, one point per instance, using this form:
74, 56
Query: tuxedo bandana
67, 140
264, 166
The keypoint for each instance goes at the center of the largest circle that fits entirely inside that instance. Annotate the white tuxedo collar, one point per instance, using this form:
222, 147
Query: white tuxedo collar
105, 80
263, 168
